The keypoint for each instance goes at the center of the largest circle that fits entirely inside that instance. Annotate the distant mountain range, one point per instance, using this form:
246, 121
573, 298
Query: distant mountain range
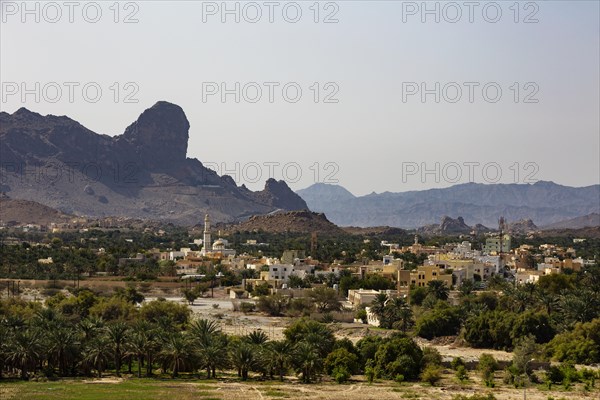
544, 202
143, 173
585, 221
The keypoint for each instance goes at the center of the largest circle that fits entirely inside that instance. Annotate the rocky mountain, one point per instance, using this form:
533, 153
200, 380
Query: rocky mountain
590, 220
281, 222
451, 226
29, 212
143, 173
543, 202
522, 226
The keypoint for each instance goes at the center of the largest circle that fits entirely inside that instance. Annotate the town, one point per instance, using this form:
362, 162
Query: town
463, 300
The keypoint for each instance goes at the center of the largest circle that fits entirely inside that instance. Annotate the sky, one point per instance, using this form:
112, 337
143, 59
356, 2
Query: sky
372, 95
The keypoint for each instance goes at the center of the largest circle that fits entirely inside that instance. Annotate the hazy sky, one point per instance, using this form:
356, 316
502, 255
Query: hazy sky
375, 61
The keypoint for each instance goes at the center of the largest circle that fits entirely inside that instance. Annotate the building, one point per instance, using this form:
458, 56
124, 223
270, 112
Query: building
366, 296
283, 272
290, 256
427, 273
495, 245
218, 248
206, 241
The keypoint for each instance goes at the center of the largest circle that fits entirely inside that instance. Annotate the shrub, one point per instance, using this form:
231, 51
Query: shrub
431, 374
246, 307
341, 358
370, 371
362, 315
399, 355
461, 373
431, 356
457, 362
443, 320
488, 396
487, 366
340, 374
581, 345
327, 318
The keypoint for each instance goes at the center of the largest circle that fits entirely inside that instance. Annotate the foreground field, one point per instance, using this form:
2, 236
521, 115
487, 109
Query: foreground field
154, 389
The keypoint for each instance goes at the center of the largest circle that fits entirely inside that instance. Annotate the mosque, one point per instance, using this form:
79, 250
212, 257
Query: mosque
219, 247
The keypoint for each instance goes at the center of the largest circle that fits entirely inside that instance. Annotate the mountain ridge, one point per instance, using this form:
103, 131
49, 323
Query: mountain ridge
543, 202
142, 173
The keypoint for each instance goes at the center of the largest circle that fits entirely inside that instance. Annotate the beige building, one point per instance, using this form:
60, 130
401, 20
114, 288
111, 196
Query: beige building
427, 273
366, 296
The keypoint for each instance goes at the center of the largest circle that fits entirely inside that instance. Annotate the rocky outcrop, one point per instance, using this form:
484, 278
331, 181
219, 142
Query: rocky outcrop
160, 132
143, 173
277, 194
450, 226
522, 226
281, 222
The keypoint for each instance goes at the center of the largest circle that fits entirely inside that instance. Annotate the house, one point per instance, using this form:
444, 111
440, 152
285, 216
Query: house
427, 273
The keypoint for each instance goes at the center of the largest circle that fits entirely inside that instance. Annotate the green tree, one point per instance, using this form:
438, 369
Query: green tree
325, 299
399, 355
243, 357
279, 357
307, 361
443, 320
117, 333
341, 358
177, 352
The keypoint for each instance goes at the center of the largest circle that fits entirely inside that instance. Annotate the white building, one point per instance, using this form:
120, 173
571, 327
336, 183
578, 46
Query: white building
284, 271
174, 255
219, 245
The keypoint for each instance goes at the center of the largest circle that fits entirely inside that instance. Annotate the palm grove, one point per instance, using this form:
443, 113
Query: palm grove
86, 334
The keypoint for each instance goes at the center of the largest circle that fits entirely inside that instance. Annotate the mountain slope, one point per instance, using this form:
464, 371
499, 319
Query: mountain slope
590, 220
143, 173
29, 212
542, 202
282, 222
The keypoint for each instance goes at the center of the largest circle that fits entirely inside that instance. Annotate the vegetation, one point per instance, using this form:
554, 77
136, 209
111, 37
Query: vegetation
87, 335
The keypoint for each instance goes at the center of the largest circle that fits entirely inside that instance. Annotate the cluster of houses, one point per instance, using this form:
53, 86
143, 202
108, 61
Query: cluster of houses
452, 263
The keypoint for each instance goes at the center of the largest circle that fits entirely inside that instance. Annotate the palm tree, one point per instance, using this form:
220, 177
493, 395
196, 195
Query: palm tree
142, 344
25, 350
5, 339
278, 357
466, 288
63, 346
96, 354
258, 340
307, 361
211, 343
439, 289
177, 352
211, 355
136, 347
90, 327
203, 330
378, 304
243, 358
257, 337
402, 313
117, 334
548, 300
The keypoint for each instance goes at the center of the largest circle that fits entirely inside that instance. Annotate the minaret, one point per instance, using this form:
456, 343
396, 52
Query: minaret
207, 242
